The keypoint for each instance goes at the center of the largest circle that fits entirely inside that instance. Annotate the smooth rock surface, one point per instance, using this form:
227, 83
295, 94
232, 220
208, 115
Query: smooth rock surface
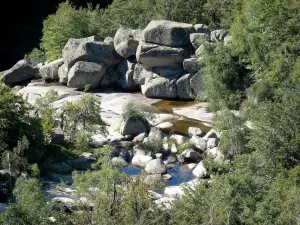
21, 71
85, 73
155, 166
49, 72
184, 90
191, 65
141, 160
154, 55
126, 41
168, 33
200, 171
90, 50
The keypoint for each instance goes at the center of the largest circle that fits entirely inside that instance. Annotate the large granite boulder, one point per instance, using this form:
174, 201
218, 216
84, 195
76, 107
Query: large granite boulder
168, 33
197, 84
154, 55
199, 142
156, 166
110, 79
141, 160
200, 171
90, 49
21, 71
63, 74
191, 65
49, 72
85, 73
189, 155
126, 41
218, 35
133, 126
80, 163
126, 70
184, 90
160, 87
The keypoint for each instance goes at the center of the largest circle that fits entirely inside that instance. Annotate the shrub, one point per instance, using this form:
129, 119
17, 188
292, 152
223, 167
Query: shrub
138, 110
36, 56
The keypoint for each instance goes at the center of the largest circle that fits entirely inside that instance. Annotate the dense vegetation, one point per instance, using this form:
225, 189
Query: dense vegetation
253, 86
69, 21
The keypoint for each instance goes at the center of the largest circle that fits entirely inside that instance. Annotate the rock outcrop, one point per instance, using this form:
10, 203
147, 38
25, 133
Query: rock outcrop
126, 41
21, 71
85, 73
168, 33
49, 72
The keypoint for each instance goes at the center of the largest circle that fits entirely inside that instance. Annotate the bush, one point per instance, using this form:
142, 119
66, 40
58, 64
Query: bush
138, 110
225, 77
36, 56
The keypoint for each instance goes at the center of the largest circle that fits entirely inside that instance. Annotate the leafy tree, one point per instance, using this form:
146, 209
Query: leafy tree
31, 206
36, 56
15, 124
47, 112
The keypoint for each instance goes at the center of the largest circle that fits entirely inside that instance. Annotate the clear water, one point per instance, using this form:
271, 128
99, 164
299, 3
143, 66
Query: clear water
180, 173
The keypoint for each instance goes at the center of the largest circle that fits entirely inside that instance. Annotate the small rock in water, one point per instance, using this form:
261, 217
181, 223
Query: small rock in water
141, 160
155, 166
191, 165
139, 138
170, 159
174, 149
167, 176
195, 131
165, 125
119, 162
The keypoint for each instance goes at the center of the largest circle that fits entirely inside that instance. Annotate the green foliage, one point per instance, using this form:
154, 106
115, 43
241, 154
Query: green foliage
68, 23
36, 56
16, 124
117, 198
224, 78
138, 110
31, 207
181, 148
47, 112
16, 159
153, 146
80, 117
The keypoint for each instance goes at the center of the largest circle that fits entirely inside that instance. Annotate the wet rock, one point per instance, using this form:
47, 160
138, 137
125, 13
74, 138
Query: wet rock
170, 159
139, 137
195, 131
126, 70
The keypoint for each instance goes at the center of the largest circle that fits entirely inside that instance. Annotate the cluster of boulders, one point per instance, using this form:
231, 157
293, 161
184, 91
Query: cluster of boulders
161, 61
